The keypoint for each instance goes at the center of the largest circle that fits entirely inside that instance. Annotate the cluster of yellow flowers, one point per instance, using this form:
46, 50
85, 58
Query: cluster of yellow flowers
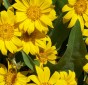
26, 30
10, 76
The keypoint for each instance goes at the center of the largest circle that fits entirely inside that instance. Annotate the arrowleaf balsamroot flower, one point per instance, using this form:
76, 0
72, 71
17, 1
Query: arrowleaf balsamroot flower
76, 9
8, 33
33, 14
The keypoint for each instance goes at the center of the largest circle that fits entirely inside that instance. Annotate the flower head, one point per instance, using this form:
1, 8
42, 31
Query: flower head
67, 78
8, 33
76, 9
33, 14
11, 76
48, 53
32, 42
43, 77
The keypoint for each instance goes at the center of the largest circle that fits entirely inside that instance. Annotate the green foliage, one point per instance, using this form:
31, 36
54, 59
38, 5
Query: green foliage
74, 56
28, 61
59, 33
6, 3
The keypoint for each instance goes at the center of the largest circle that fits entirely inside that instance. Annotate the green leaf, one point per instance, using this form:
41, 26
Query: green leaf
74, 56
61, 3
28, 61
37, 62
60, 32
6, 3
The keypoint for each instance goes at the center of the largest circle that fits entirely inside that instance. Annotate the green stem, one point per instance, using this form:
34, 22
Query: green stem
6, 4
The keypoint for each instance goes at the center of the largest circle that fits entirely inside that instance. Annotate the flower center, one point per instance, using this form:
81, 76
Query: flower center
10, 77
26, 37
34, 12
6, 32
80, 6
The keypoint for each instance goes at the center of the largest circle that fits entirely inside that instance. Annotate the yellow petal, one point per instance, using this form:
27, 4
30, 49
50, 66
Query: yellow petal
73, 21
26, 24
3, 69
38, 25
46, 10
34, 48
54, 78
86, 24
85, 68
1, 77
21, 16
11, 16
46, 74
4, 17
46, 4
69, 15
80, 18
86, 41
40, 74
21, 25
52, 15
72, 2
46, 20
86, 56
2, 83
9, 46
31, 27
17, 41
26, 3
19, 6
40, 44
66, 8
39, 2
3, 48
85, 32
26, 48
34, 79
85, 17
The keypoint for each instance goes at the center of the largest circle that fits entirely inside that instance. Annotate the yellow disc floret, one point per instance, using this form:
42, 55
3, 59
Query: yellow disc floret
80, 6
10, 77
6, 32
34, 12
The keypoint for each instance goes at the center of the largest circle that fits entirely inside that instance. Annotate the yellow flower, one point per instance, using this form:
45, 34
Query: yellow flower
11, 77
76, 9
33, 14
86, 56
85, 68
66, 78
48, 53
32, 42
85, 33
8, 33
43, 77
